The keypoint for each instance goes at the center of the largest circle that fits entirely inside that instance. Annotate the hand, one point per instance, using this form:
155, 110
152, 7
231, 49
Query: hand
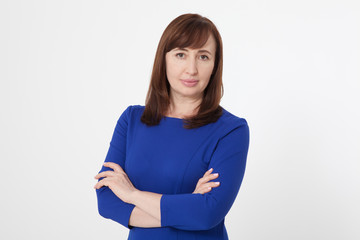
203, 185
117, 180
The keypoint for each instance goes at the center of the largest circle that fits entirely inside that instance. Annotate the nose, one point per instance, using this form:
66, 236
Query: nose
191, 67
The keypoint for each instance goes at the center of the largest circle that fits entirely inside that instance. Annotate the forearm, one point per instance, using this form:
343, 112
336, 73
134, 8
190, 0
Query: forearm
140, 218
148, 202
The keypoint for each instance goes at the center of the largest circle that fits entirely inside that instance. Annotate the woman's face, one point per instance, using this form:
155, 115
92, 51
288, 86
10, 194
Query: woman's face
189, 70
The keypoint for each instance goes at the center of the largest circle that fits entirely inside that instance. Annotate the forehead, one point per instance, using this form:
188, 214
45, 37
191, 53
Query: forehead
210, 45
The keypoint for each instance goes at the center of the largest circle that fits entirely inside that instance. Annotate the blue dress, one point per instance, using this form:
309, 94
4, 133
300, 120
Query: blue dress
169, 159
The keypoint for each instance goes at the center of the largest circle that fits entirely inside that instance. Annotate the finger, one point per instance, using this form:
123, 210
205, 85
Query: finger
105, 174
206, 190
208, 172
116, 167
211, 177
212, 184
206, 175
207, 187
202, 190
102, 183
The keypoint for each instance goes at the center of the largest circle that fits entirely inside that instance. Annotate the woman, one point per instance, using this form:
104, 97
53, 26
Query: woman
156, 179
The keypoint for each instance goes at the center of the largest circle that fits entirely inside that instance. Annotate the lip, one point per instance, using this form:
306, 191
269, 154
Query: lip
189, 80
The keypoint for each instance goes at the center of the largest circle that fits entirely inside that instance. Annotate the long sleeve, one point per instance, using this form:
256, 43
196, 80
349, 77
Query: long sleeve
204, 211
109, 205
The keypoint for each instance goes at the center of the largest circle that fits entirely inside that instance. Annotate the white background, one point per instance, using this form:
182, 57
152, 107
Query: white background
68, 69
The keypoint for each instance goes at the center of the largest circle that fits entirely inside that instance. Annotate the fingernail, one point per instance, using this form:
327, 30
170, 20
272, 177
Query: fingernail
209, 169
215, 174
217, 183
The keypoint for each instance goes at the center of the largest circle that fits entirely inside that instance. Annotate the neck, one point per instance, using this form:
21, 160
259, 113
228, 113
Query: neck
182, 107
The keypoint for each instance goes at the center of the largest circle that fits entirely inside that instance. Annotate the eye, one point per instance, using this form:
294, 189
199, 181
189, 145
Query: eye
180, 55
205, 57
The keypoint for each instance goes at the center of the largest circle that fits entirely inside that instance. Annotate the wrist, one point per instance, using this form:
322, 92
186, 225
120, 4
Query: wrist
134, 195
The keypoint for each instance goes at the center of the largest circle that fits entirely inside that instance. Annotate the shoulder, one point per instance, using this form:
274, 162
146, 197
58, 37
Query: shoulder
131, 112
133, 109
231, 126
136, 111
230, 120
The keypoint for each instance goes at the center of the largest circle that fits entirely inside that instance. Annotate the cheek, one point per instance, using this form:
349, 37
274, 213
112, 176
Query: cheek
173, 70
207, 70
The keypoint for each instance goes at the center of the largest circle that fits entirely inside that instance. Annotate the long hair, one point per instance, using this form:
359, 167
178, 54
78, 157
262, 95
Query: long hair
187, 30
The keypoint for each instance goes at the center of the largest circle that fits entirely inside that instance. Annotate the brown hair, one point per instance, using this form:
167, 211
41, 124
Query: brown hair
187, 30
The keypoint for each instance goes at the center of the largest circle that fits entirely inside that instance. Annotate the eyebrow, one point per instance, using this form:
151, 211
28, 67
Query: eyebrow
202, 50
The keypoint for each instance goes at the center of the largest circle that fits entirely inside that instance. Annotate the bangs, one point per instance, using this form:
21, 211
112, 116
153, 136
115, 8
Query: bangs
189, 35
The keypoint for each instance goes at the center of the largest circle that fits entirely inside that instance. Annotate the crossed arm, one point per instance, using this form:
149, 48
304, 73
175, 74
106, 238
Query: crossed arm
120, 201
146, 212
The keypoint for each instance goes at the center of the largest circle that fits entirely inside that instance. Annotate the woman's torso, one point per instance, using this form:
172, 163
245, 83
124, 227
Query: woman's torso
169, 159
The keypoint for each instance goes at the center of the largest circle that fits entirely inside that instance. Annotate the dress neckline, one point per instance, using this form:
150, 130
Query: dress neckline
173, 118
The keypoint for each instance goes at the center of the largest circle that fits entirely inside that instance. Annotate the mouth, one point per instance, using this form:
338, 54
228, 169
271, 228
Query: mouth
189, 82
